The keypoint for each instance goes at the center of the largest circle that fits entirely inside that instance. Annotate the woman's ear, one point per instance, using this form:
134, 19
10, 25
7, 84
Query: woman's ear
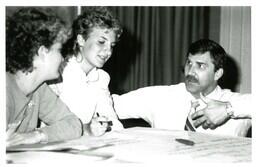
40, 56
80, 40
218, 74
42, 51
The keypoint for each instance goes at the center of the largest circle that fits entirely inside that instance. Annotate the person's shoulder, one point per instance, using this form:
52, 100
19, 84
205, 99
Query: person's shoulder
44, 89
71, 69
161, 89
10, 82
178, 87
227, 93
70, 64
8, 77
103, 73
103, 76
171, 90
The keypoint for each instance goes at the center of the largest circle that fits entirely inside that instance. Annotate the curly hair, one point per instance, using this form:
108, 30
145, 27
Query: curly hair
28, 29
91, 17
218, 54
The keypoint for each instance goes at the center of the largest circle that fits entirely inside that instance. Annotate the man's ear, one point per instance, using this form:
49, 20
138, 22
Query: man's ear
80, 40
218, 74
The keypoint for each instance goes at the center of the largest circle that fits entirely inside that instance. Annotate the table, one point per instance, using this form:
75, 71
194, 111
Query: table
138, 146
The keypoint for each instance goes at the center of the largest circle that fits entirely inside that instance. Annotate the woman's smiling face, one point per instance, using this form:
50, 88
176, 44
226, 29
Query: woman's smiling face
98, 47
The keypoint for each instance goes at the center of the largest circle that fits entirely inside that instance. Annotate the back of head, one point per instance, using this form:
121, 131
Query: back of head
218, 54
99, 17
26, 30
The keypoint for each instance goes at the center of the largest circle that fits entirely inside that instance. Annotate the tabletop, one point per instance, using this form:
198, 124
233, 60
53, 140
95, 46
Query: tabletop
138, 145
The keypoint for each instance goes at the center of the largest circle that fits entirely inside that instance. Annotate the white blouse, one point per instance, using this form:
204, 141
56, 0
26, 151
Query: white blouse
86, 94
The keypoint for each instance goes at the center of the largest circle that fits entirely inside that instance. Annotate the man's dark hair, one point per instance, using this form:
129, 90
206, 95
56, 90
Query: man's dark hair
218, 54
26, 30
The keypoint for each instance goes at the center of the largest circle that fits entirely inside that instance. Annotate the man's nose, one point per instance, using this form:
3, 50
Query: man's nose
191, 70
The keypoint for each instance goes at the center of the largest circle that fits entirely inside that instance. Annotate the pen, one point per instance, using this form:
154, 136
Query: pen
185, 141
101, 122
98, 115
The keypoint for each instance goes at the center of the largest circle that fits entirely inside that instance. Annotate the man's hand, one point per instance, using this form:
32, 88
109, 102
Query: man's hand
212, 116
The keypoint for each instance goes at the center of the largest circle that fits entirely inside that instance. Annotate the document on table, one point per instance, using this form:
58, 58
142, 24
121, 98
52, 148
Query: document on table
149, 145
83, 143
205, 147
86, 148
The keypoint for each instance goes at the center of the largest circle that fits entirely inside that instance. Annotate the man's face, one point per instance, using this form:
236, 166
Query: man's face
199, 74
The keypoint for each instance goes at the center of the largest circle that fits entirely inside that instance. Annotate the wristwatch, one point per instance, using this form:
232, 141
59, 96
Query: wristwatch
229, 110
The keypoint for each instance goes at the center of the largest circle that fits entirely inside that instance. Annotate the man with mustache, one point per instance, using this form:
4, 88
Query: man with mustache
199, 100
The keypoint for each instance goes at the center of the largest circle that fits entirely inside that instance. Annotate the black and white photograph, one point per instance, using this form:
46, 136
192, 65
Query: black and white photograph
127, 84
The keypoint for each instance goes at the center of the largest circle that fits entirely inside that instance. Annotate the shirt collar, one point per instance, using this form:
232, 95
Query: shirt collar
93, 75
211, 95
214, 93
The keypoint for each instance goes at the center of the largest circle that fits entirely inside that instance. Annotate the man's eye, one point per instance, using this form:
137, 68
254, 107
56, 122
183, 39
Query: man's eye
202, 66
188, 63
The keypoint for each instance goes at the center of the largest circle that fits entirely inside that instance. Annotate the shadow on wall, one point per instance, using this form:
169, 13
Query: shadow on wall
231, 76
119, 67
122, 61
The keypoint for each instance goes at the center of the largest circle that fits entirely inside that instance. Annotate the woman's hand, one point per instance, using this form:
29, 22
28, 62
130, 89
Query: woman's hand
99, 125
24, 138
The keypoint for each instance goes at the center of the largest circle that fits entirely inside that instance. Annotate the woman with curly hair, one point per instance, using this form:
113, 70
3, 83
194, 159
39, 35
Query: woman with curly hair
34, 38
84, 85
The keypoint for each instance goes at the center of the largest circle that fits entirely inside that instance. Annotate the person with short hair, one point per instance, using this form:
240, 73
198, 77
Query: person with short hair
84, 85
34, 38
199, 104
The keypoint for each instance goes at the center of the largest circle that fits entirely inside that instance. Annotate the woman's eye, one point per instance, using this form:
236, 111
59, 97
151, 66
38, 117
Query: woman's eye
101, 42
113, 45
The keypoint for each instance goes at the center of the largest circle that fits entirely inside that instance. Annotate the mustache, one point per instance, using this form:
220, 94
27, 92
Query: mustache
191, 78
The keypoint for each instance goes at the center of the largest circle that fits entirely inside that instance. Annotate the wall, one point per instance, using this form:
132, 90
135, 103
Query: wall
235, 37
67, 13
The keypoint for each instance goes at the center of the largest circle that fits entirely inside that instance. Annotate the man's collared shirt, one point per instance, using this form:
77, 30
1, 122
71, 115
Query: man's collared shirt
167, 107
